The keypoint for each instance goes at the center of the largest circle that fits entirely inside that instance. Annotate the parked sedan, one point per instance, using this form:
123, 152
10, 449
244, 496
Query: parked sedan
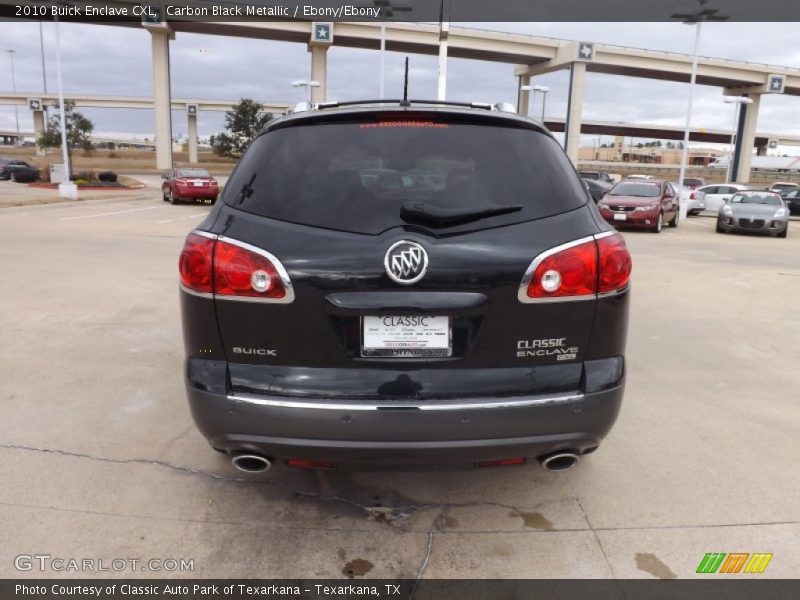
792, 200
189, 184
597, 188
9, 169
757, 211
715, 195
640, 203
782, 186
600, 176
687, 197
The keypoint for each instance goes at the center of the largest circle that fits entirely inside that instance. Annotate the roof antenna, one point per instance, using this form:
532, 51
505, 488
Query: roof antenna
405, 101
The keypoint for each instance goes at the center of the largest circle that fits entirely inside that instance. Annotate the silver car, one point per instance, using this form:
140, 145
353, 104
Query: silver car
749, 210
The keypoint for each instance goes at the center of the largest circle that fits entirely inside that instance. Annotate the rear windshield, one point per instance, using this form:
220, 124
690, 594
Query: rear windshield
356, 176
193, 173
693, 182
635, 188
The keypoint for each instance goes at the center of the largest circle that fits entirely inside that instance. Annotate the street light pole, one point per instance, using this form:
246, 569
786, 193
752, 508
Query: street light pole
11, 54
705, 13
685, 152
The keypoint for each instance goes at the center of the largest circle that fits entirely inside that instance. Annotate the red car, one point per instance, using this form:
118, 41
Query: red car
641, 204
189, 184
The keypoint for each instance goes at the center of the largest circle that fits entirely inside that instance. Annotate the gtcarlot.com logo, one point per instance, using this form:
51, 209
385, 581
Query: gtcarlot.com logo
47, 562
734, 562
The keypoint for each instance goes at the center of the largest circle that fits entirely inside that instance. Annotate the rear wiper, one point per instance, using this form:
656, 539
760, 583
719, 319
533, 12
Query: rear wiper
413, 210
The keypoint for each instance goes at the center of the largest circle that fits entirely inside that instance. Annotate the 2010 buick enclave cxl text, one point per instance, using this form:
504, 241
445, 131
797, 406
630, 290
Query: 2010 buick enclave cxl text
479, 317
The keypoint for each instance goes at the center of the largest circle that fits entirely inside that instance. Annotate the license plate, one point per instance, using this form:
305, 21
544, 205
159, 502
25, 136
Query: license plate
198, 184
406, 335
620, 217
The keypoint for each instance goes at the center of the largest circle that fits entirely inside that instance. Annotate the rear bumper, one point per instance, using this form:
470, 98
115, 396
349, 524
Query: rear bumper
404, 432
191, 193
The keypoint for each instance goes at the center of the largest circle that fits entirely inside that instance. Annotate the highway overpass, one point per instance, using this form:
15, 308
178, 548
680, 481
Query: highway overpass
37, 102
530, 55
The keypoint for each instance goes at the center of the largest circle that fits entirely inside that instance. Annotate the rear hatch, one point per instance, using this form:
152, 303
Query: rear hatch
403, 239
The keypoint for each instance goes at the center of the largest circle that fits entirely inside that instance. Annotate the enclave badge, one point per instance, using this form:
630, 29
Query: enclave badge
406, 262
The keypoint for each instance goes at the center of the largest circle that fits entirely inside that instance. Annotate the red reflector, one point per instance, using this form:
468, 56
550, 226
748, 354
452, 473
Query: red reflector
615, 263
691, 196
195, 263
242, 272
503, 462
569, 272
301, 463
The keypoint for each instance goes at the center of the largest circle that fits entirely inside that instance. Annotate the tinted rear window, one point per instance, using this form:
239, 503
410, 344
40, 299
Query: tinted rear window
355, 176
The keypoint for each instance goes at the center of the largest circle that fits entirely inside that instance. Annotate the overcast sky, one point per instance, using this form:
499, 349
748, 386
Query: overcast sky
116, 61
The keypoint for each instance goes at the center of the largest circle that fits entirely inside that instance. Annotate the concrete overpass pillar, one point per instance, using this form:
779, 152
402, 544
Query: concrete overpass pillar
319, 71
38, 131
523, 96
162, 101
192, 133
321, 40
191, 129
572, 127
745, 139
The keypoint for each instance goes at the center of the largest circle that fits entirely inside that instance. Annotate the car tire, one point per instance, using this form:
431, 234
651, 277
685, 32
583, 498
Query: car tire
719, 227
674, 221
12, 178
659, 223
783, 233
172, 199
164, 196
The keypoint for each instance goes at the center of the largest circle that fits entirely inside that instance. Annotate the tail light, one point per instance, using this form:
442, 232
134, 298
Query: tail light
503, 462
181, 182
615, 263
195, 263
578, 270
232, 270
691, 196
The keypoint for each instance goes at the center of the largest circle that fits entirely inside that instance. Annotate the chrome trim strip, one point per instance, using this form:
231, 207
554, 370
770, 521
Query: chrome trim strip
613, 293
522, 292
183, 288
211, 236
400, 405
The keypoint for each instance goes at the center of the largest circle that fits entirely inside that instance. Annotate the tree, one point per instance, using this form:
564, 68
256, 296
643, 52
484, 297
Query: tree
78, 130
242, 124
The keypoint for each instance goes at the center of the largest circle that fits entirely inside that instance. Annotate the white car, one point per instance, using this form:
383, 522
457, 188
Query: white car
687, 197
715, 195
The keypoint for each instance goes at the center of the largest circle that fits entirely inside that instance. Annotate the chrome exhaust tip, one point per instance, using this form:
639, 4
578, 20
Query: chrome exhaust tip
559, 461
251, 463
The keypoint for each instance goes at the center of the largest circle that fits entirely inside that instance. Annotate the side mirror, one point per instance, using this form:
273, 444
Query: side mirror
163, 176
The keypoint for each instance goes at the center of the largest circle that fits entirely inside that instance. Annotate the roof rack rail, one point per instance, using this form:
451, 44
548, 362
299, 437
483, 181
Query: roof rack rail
483, 105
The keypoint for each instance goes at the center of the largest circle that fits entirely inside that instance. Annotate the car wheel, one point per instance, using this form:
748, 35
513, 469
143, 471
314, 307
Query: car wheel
164, 196
785, 231
12, 177
674, 221
719, 227
172, 199
659, 223
213, 201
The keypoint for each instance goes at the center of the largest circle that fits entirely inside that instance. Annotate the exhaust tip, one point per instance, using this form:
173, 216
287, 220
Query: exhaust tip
251, 463
560, 461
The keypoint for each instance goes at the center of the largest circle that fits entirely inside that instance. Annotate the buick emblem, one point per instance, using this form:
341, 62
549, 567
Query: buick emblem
406, 262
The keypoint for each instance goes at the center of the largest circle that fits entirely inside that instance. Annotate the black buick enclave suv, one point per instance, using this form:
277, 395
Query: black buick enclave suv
404, 283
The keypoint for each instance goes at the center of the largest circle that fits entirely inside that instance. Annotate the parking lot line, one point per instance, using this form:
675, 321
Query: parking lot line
698, 224
118, 212
183, 218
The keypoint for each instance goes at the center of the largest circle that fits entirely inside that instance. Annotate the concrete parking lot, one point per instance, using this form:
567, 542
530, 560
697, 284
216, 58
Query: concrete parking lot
99, 457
